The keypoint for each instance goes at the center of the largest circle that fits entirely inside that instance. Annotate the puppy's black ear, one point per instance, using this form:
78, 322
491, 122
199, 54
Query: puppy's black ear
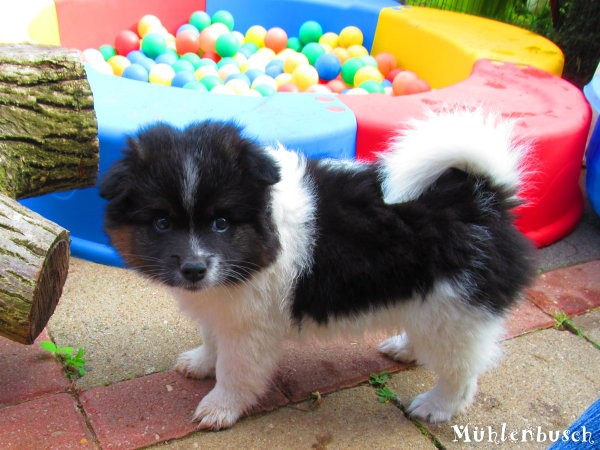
116, 182
261, 165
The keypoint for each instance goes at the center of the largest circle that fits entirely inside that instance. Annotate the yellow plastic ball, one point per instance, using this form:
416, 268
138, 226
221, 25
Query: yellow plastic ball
342, 54
350, 36
146, 23
293, 61
237, 86
204, 71
283, 78
367, 73
357, 51
305, 76
256, 35
330, 39
161, 74
118, 63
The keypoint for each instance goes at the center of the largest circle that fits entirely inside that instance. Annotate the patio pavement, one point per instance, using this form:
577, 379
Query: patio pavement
131, 398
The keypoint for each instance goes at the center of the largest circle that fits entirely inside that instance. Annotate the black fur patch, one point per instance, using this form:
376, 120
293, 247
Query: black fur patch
370, 254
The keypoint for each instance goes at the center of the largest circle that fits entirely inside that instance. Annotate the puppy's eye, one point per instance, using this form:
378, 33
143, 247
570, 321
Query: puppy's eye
220, 225
162, 224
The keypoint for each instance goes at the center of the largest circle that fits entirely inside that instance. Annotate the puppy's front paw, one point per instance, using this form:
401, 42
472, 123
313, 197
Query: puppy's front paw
435, 408
196, 363
217, 411
398, 348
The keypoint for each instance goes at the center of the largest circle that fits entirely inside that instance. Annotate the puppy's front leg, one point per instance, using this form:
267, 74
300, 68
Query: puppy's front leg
245, 366
201, 361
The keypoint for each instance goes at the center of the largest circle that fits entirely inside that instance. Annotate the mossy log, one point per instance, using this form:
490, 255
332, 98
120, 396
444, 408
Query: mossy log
48, 143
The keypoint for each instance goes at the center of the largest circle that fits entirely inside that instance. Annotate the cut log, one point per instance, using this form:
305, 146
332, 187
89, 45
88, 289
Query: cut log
48, 143
48, 129
34, 256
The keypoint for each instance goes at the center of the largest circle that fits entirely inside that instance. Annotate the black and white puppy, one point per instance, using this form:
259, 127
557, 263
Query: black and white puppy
261, 244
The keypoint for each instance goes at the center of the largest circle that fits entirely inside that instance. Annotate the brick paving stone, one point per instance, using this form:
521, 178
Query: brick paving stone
150, 409
326, 367
26, 372
574, 289
50, 422
524, 318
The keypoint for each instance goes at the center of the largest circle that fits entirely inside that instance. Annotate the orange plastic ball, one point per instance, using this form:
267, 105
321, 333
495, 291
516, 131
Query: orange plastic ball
386, 62
276, 39
187, 42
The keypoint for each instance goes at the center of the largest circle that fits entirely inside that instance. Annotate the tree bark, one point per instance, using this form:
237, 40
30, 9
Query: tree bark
48, 143
34, 256
48, 129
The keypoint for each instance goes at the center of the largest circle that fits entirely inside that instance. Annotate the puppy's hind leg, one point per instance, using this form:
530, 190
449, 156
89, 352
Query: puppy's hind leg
458, 342
398, 348
201, 361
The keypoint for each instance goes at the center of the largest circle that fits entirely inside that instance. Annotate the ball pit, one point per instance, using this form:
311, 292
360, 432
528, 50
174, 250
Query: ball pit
466, 60
270, 51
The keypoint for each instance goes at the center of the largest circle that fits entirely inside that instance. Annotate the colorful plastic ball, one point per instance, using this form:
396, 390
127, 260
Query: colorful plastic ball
205, 71
211, 81
310, 31
200, 20
252, 74
209, 36
357, 51
367, 73
318, 89
386, 62
328, 66
167, 58
195, 86
136, 56
107, 51
274, 68
356, 91
92, 55
288, 87
312, 51
294, 60
341, 53
370, 61
330, 39
227, 45
392, 74
264, 79
264, 90
294, 43
212, 56
237, 85
187, 41
224, 17
276, 39
126, 42
227, 60
147, 63
239, 76
207, 62
136, 72
402, 82
304, 76
153, 44
349, 36
256, 35
337, 86
183, 65
349, 69
118, 64
161, 74
182, 78
372, 87
283, 78
187, 27
228, 69
146, 23
248, 49
192, 58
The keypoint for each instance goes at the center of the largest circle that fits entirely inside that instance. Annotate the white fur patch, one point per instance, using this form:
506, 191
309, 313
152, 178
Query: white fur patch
478, 143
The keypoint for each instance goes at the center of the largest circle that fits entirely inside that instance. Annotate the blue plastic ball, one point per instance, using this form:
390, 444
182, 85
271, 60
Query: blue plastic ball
187, 26
166, 58
253, 73
274, 68
182, 78
136, 56
147, 63
136, 72
328, 66
248, 49
238, 76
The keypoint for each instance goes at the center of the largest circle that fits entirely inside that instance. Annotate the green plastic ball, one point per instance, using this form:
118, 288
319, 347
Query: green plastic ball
108, 51
295, 44
192, 58
227, 45
372, 87
310, 31
349, 69
264, 89
224, 17
312, 51
153, 44
210, 81
200, 20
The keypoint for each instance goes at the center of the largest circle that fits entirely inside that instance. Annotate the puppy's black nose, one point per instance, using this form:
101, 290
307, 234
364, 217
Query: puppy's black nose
194, 270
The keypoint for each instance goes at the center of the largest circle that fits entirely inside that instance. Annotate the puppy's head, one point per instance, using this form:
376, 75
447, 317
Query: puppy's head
190, 208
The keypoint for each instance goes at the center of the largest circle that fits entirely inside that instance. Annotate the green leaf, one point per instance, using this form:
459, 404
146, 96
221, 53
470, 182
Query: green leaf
66, 350
48, 346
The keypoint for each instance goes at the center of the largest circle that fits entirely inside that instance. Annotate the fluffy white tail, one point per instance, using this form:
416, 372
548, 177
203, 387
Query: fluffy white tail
478, 143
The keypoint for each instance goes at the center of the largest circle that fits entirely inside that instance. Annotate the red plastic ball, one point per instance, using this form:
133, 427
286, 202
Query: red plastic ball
392, 74
386, 62
276, 39
127, 41
187, 41
211, 55
288, 87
